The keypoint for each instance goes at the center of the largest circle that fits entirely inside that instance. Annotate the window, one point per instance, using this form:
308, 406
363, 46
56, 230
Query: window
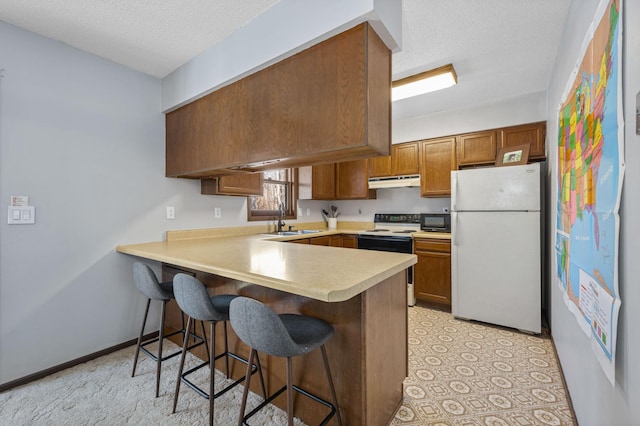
279, 196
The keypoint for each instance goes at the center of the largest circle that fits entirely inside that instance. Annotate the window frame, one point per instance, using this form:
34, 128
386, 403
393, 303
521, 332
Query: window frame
291, 209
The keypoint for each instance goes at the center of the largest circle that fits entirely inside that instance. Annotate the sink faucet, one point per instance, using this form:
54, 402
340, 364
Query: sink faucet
281, 214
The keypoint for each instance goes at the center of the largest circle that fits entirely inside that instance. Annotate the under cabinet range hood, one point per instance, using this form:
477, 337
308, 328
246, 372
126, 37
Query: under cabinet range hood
394, 182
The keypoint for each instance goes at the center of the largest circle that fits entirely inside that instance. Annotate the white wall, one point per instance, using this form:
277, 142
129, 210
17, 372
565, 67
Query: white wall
524, 109
595, 401
390, 200
84, 139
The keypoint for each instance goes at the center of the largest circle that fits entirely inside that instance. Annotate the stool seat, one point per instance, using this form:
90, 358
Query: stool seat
284, 335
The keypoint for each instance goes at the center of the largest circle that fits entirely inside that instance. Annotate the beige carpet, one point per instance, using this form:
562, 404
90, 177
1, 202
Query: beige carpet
460, 373
468, 373
102, 392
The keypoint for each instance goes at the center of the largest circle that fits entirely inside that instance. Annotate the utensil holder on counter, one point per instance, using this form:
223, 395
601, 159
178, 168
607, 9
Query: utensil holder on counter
332, 223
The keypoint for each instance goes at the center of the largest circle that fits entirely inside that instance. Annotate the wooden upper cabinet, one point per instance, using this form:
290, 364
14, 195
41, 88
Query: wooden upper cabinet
323, 182
239, 184
380, 166
328, 103
532, 134
436, 163
477, 148
405, 158
352, 181
348, 180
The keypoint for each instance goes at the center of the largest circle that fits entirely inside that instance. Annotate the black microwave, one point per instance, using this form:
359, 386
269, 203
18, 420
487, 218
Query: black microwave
435, 222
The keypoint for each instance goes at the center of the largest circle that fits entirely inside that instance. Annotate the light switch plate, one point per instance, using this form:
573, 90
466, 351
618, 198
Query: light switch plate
21, 215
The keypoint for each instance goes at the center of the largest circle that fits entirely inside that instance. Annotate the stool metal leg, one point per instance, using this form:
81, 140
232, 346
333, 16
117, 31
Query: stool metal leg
184, 353
247, 381
144, 322
226, 348
289, 393
204, 335
212, 371
161, 339
333, 389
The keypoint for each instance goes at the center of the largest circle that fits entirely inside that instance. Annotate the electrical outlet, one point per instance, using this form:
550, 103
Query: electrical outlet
217, 212
308, 211
171, 212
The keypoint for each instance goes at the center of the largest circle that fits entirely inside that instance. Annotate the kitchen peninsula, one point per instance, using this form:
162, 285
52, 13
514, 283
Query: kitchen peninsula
361, 293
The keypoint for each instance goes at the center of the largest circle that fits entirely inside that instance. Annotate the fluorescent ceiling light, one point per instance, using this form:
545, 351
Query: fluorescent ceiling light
425, 82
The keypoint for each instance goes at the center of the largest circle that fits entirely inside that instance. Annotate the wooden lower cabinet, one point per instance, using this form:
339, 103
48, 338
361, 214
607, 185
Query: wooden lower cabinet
301, 241
324, 240
432, 273
337, 240
349, 241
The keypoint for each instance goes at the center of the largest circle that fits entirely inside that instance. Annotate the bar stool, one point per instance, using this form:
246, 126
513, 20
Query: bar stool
148, 284
194, 300
284, 335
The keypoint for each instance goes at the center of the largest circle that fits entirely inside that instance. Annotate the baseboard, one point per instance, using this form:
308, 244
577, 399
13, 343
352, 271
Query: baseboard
51, 370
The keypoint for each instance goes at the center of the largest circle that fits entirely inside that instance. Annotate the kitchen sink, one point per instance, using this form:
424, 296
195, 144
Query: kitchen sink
300, 232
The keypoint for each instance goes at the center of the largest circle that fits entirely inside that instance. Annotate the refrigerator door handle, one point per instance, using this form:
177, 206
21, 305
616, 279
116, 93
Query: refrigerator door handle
454, 190
454, 228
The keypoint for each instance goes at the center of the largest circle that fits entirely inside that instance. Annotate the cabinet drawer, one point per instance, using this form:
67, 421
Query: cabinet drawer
420, 244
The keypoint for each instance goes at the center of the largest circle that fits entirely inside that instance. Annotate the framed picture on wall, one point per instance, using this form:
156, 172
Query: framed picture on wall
513, 155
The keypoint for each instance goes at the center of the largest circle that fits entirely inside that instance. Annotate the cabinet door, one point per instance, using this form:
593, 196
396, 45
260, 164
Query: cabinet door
320, 241
352, 181
349, 241
239, 184
323, 182
432, 273
436, 164
335, 240
380, 166
531, 134
300, 241
405, 158
476, 148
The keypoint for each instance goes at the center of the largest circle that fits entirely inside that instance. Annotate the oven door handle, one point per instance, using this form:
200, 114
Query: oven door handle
389, 238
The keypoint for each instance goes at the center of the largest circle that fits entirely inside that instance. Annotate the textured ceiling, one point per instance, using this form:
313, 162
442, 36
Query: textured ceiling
500, 48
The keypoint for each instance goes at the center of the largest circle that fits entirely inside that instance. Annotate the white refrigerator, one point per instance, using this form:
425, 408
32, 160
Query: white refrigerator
496, 246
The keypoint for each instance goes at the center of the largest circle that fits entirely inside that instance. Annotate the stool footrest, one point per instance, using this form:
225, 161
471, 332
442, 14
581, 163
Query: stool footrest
173, 354
299, 390
204, 394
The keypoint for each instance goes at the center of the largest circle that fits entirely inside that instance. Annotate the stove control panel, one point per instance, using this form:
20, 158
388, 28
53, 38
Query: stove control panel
396, 218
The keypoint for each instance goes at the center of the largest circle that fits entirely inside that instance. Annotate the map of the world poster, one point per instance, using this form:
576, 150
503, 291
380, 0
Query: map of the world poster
590, 174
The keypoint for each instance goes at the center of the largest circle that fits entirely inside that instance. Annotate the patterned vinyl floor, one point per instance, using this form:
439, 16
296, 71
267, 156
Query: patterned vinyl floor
469, 373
